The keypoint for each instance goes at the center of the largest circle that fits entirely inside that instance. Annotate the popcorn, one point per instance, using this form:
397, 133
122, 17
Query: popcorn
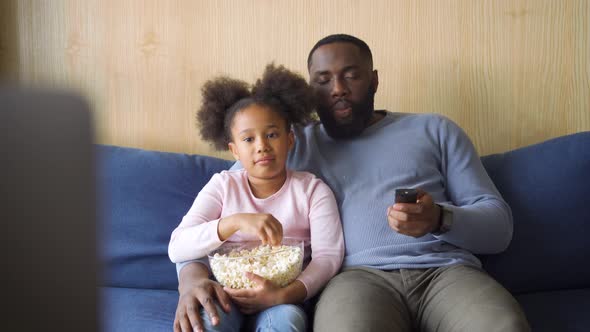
279, 264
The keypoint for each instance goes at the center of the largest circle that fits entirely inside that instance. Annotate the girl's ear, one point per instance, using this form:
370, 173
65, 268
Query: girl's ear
291, 138
234, 150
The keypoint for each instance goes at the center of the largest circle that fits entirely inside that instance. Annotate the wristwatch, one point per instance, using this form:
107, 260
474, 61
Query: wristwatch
446, 220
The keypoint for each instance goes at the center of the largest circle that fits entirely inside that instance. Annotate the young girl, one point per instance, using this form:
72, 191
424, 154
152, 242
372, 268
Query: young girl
264, 200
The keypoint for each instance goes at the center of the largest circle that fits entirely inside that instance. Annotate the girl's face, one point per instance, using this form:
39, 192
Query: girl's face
261, 141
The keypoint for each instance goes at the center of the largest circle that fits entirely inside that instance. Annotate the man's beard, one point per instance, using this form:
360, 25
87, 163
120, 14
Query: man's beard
353, 125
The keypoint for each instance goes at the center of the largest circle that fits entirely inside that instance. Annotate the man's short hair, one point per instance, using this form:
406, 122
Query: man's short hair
343, 38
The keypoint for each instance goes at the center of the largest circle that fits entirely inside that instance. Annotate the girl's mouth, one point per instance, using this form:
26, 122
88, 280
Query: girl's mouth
265, 161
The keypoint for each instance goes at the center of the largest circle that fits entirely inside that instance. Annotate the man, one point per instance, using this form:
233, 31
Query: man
408, 266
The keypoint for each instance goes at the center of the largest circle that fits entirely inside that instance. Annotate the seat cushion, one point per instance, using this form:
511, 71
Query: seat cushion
137, 310
143, 195
547, 186
565, 311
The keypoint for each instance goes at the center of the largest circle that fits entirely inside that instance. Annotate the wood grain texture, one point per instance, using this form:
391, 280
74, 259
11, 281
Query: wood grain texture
8, 43
510, 72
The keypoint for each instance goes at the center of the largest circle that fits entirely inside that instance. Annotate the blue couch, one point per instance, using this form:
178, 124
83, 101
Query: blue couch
144, 194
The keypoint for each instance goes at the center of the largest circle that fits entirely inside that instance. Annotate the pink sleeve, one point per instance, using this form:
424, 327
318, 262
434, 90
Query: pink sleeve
327, 241
197, 234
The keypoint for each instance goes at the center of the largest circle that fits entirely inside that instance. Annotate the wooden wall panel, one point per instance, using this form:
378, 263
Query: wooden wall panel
8, 43
510, 72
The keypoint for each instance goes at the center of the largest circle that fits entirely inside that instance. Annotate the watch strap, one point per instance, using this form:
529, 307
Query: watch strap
445, 221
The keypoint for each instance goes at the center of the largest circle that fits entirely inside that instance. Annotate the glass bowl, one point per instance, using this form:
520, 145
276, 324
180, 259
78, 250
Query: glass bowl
279, 264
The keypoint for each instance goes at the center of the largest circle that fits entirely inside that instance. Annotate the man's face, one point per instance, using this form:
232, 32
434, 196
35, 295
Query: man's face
345, 85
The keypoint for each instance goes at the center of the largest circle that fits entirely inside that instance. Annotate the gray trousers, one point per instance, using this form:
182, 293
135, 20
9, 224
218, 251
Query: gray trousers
453, 298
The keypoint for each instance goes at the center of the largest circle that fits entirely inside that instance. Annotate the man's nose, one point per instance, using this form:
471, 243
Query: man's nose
339, 88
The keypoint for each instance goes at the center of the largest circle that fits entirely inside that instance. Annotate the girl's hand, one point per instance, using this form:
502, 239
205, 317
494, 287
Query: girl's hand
262, 225
266, 294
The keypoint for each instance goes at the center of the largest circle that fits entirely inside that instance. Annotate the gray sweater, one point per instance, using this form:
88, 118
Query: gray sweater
411, 151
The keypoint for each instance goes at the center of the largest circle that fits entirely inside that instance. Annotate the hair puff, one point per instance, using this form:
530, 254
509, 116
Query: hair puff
218, 95
287, 90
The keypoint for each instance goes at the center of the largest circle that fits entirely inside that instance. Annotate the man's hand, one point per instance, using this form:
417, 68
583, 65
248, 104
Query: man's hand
417, 219
262, 225
264, 295
197, 290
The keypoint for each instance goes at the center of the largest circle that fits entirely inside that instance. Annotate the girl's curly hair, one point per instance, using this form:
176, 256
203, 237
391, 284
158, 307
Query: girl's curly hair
280, 89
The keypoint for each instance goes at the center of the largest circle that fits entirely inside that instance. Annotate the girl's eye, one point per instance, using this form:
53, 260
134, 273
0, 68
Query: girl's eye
247, 139
272, 135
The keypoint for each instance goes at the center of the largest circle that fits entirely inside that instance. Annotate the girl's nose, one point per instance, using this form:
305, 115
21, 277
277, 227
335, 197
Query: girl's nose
263, 146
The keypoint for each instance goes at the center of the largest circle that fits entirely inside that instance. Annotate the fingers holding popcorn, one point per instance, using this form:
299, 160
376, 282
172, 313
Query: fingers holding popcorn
266, 226
262, 225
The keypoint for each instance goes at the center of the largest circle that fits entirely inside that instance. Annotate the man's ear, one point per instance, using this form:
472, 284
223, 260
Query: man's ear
234, 150
375, 80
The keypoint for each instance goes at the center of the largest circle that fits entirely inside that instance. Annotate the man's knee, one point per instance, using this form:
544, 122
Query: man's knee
511, 319
465, 298
506, 316
516, 322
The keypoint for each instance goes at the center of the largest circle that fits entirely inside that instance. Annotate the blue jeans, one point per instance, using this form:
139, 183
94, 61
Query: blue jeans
283, 317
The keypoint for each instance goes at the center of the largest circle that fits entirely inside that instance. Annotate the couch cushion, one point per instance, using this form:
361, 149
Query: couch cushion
140, 310
143, 195
547, 186
557, 310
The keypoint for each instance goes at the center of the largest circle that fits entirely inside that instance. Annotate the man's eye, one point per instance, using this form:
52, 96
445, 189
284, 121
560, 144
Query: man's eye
351, 76
322, 80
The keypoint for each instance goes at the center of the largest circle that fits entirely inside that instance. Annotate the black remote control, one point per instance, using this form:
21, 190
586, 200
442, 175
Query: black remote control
406, 195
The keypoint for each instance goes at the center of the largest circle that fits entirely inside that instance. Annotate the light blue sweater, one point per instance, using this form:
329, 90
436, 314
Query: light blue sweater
407, 151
